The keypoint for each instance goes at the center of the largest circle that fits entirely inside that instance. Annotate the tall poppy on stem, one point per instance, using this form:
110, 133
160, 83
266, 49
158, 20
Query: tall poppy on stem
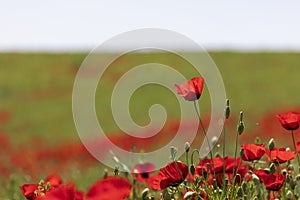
191, 91
290, 121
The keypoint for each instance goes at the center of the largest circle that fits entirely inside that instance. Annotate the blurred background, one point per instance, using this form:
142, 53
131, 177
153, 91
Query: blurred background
256, 47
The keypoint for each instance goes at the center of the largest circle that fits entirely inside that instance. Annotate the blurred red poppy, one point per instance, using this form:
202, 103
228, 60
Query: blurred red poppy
280, 155
29, 190
111, 187
289, 120
171, 175
192, 89
142, 171
64, 192
271, 181
54, 180
252, 151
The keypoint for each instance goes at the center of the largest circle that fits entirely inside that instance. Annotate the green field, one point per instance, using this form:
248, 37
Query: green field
36, 89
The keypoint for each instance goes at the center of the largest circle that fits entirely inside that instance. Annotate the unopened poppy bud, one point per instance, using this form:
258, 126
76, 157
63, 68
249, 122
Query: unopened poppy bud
166, 195
271, 144
245, 187
241, 127
145, 193
257, 140
227, 109
187, 147
226, 181
189, 194
173, 153
289, 195
272, 168
298, 177
284, 172
240, 192
207, 166
215, 184
214, 140
192, 169
242, 152
116, 171
255, 179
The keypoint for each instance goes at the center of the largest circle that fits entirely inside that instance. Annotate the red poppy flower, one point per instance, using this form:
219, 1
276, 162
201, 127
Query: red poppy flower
280, 155
271, 181
289, 120
109, 188
218, 164
191, 90
252, 151
173, 174
64, 192
29, 190
54, 180
142, 171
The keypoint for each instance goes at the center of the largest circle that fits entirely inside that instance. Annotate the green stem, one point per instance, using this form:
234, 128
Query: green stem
224, 144
235, 152
187, 160
204, 132
296, 149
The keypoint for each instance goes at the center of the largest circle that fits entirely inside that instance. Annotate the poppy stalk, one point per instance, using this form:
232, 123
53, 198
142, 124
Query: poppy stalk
295, 149
204, 132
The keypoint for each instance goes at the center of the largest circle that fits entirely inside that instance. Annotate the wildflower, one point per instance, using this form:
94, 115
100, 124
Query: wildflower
280, 155
272, 182
142, 171
289, 120
191, 90
252, 151
171, 175
109, 188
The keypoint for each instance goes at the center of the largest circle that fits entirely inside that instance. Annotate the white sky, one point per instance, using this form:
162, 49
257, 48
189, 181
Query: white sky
64, 25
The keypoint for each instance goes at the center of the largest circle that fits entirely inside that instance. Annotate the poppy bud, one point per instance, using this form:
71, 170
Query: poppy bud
242, 152
215, 184
189, 194
240, 192
214, 140
207, 166
245, 187
166, 195
116, 171
284, 172
289, 195
187, 147
227, 109
173, 153
241, 126
226, 181
255, 179
145, 193
192, 169
257, 140
272, 168
271, 144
